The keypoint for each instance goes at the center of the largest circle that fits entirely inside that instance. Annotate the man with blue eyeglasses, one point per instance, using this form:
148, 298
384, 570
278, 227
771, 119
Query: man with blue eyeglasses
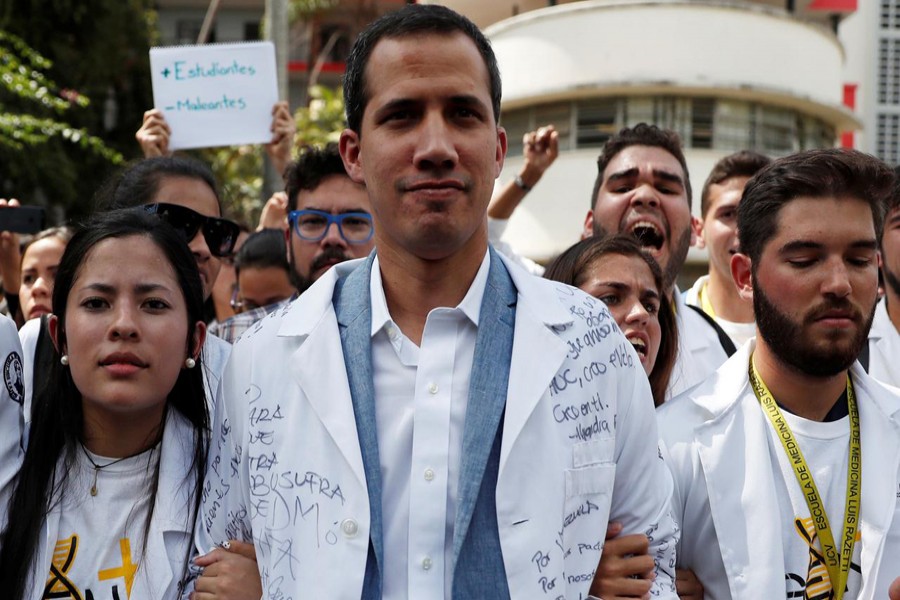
329, 222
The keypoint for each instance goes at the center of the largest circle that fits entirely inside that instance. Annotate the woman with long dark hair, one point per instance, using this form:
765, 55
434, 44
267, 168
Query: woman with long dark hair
105, 501
616, 270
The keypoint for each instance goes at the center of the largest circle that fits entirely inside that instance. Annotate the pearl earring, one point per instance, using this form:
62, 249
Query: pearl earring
190, 363
64, 360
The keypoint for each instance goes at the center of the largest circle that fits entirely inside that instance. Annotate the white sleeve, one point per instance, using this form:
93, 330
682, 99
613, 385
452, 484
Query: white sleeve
224, 507
642, 493
12, 417
28, 336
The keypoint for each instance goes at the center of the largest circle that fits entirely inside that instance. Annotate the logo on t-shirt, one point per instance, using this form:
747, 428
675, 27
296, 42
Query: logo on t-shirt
817, 583
14, 378
60, 584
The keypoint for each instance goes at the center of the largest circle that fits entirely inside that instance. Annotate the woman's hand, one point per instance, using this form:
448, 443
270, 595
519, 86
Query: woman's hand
153, 136
688, 586
626, 569
229, 573
10, 255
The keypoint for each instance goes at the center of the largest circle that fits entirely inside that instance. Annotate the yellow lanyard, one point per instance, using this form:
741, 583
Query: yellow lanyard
705, 304
837, 563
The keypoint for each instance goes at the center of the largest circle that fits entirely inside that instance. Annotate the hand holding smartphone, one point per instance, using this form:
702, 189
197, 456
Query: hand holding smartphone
22, 219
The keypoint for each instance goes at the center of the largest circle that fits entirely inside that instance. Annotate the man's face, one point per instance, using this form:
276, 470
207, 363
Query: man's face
719, 231
429, 149
815, 287
643, 193
890, 256
336, 194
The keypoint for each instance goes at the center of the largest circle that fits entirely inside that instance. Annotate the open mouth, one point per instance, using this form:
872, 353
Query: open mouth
648, 235
640, 346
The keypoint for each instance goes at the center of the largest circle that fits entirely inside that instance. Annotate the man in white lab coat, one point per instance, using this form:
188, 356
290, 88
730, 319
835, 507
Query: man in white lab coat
883, 360
786, 459
433, 422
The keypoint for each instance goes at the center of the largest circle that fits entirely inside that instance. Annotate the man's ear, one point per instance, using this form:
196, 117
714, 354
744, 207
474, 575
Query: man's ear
741, 274
588, 229
53, 326
349, 146
198, 339
501, 151
697, 233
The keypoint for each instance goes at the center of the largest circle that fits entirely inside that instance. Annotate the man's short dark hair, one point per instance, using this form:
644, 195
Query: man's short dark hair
307, 172
745, 163
412, 19
893, 200
641, 134
261, 250
827, 173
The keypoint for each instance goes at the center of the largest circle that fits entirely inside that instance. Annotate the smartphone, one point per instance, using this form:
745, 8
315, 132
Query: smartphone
22, 219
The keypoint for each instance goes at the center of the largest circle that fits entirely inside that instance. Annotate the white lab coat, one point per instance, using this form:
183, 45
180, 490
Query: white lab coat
286, 468
718, 450
169, 538
12, 419
884, 347
700, 352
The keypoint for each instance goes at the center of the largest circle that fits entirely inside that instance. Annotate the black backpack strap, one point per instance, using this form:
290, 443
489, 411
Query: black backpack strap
863, 357
724, 340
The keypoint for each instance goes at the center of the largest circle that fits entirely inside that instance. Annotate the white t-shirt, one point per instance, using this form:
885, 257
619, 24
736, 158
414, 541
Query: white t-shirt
100, 538
825, 446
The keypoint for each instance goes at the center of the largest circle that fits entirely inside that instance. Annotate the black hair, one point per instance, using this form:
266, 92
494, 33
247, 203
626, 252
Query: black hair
307, 172
411, 20
140, 181
893, 200
58, 419
745, 163
641, 134
572, 266
824, 173
263, 249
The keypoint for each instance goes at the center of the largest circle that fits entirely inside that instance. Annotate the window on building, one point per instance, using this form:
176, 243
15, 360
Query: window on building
702, 123
732, 126
887, 143
252, 31
516, 123
559, 115
776, 131
702, 116
889, 71
339, 46
598, 120
890, 14
188, 30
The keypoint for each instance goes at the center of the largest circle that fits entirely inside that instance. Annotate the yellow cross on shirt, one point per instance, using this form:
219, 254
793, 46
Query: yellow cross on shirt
127, 570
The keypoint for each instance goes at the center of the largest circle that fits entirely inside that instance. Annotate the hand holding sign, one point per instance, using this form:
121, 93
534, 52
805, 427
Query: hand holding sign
211, 95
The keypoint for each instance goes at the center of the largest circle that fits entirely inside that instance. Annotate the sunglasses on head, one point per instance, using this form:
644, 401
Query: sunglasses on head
220, 234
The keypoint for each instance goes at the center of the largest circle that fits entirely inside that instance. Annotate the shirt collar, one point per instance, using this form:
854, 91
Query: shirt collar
470, 305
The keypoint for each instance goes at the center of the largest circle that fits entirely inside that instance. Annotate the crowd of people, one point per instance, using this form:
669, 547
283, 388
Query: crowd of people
386, 401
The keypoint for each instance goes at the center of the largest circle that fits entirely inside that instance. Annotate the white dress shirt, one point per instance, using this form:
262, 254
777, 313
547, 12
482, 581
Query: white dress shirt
421, 394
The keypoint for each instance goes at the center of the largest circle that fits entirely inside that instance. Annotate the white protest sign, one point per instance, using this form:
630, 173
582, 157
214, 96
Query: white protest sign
215, 94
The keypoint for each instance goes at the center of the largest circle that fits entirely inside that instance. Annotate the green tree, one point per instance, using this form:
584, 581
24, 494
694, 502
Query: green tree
56, 147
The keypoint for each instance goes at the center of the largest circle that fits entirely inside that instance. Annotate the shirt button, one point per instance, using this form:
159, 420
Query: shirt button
433, 388
349, 527
429, 474
426, 563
